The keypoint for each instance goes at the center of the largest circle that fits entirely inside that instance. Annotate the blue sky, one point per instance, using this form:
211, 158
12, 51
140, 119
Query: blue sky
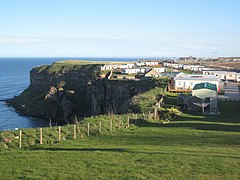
121, 28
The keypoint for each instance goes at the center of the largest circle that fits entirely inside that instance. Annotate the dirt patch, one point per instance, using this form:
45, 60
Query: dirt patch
229, 65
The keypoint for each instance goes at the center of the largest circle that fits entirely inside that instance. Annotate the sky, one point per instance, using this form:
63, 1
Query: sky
119, 28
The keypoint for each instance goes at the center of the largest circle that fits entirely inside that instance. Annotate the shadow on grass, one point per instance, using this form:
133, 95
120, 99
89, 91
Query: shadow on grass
226, 118
196, 154
206, 126
81, 149
191, 124
121, 150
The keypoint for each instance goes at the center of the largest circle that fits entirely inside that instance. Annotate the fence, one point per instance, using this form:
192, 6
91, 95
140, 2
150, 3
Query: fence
94, 126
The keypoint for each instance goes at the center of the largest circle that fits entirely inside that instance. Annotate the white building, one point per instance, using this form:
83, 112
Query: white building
176, 66
110, 66
139, 63
238, 77
205, 69
231, 76
139, 70
224, 75
173, 65
166, 64
192, 67
117, 66
159, 70
220, 74
188, 81
126, 66
151, 63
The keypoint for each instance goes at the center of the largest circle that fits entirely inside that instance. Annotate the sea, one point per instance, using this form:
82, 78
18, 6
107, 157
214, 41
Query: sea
14, 78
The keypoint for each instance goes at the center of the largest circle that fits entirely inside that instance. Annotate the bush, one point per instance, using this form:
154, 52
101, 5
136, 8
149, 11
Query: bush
174, 110
166, 116
169, 113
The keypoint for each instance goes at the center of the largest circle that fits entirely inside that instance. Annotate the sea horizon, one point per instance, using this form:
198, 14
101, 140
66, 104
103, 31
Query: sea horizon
92, 58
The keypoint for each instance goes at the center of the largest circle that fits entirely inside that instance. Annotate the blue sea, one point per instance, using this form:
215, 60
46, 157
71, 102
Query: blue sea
14, 78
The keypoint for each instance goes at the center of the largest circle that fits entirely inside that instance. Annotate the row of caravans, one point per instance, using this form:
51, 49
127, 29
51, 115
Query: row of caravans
224, 75
188, 67
130, 65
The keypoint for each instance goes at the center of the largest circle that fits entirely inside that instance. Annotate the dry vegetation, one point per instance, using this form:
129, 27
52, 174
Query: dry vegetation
77, 62
229, 64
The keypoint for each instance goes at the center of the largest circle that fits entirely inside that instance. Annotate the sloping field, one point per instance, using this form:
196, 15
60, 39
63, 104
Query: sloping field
190, 147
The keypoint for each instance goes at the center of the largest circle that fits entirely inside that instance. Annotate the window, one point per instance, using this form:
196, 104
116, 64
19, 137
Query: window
179, 83
191, 83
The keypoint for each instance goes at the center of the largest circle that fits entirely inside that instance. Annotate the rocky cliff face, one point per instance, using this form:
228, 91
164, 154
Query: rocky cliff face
62, 92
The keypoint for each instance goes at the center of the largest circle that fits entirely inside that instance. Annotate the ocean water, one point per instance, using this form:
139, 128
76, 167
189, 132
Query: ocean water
14, 78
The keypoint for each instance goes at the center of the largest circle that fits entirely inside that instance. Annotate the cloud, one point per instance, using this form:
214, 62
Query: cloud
20, 40
208, 45
104, 46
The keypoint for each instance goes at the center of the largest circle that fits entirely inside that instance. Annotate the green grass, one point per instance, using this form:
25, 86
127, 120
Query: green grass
79, 62
190, 147
186, 71
146, 101
65, 66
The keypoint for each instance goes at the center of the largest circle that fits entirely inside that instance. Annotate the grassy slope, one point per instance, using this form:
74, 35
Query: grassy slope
68, 66
145, 102
191, 147
77, 62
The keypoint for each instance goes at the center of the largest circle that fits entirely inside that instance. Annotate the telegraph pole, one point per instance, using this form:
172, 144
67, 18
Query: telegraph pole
212, 57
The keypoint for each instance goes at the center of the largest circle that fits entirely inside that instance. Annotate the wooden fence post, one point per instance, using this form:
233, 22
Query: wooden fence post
59, 133
155, 112
88, 129
20, 139
110, 125
119, 123
74, 132
128, 122
100, 127
78, 129
41, 136
50, 122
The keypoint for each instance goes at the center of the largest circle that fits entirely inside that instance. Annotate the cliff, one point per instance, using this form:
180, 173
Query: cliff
63, 91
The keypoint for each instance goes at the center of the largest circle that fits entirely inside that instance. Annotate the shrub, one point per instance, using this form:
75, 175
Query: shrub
169, 113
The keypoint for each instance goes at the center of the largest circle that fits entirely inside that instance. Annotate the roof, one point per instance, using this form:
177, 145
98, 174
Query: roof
151, 73
193, 77
205, 85
138, 68
220, 72
170, 73
190, 65
159, 68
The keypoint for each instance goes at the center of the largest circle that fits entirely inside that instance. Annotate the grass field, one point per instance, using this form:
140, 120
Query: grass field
190, 147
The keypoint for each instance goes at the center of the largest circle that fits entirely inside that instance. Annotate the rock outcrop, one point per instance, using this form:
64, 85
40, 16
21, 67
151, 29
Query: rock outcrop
63, 91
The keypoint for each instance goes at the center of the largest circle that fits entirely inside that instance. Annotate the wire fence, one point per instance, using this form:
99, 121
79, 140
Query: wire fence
93, 126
